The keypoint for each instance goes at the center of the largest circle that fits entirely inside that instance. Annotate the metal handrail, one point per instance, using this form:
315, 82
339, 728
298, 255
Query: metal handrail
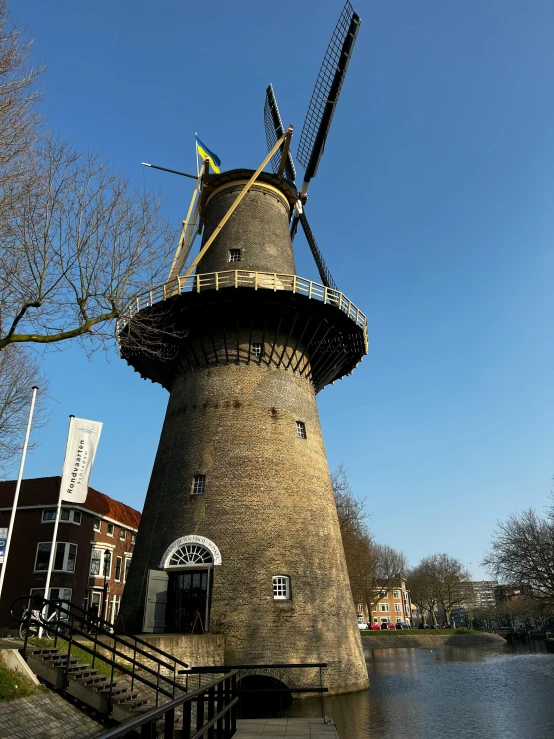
228, 682
242, 278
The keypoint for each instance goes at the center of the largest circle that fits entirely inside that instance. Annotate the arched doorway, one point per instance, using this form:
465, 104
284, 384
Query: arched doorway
262, 696
189, 563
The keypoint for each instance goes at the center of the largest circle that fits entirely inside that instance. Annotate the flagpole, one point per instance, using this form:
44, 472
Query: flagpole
56, 523
196, 151
17, 489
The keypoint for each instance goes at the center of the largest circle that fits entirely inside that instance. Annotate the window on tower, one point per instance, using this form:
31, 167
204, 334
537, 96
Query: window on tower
257, 350
235, 255
301, 429
281, 587
198, 484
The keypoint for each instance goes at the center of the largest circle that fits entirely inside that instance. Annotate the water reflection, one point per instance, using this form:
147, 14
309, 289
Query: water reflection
481, 693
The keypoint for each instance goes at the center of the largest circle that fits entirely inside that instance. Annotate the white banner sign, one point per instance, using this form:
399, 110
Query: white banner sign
81, 448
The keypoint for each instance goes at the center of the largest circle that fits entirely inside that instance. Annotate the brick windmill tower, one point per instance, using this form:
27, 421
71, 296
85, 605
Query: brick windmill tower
239, 533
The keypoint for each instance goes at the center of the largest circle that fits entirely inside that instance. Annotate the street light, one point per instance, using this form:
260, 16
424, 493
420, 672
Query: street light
107, 560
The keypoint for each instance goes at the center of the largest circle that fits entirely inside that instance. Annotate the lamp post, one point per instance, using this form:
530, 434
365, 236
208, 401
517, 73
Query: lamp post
107, 554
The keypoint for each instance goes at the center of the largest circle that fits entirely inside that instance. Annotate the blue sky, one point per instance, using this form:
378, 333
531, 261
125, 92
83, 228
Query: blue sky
432, 206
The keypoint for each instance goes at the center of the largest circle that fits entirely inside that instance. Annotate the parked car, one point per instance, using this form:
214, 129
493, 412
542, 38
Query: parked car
387, 626
374, 627
424, 626
362, 624
401, 626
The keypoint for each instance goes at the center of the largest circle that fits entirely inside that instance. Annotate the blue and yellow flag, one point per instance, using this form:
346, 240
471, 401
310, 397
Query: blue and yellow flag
205, 153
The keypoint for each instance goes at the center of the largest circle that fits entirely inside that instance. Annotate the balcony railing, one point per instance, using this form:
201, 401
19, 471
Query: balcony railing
243, 278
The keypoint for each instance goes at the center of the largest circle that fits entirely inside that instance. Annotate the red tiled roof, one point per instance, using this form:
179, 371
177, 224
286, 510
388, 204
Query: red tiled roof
45, 491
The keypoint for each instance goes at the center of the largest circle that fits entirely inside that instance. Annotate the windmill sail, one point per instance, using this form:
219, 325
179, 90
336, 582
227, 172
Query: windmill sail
323, 270
326, 92
274, 129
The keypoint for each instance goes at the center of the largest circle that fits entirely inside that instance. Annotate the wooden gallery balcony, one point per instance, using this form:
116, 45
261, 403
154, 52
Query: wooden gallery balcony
239, 316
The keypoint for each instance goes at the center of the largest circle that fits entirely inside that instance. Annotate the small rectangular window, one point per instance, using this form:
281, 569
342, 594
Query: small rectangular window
281, 587
122, 534
396, 593
110, 529
64, 558
235, 255
398, 607
49, 514
77, 517
301, 429
198, 484
97, 524
126, 570
65, 514
257, 350
118, 561
383, 606
133, 538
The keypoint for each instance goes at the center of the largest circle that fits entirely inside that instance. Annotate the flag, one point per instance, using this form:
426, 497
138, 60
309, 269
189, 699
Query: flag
82, 443
205, 153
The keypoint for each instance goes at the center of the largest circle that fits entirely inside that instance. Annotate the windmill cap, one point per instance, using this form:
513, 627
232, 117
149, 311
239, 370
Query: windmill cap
283, 186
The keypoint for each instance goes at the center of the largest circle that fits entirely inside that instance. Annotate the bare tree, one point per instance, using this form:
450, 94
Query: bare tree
522, 554
390, 569
351, 510
19, 371
421, 592
448, 580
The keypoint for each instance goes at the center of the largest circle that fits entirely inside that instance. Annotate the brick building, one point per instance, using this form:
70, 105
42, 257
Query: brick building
96, 535
391, 604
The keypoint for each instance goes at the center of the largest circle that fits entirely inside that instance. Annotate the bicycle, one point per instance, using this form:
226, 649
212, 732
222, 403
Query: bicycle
33, 620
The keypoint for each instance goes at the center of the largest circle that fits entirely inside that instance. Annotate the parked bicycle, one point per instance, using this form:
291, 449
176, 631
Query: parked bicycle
33, 619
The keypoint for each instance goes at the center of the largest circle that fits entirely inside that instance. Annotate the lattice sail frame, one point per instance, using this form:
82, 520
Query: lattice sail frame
274, 129
322, 89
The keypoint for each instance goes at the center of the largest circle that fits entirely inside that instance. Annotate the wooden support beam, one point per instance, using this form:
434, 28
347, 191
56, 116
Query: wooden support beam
285, 152
185, 242
235, 205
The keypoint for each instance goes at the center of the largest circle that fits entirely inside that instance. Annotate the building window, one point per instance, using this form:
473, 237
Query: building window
360, 609
384, 620
66, 514
301, 430
118, 562
123, 535
100, 562
127, 566
133, 538
110, 529
398, 607
407, 609
63, 594
281, 587
396, 594
198, 484
405, 595
374, 609
257, 350
398, 620
64, 559
235, 255
96, 600
77, 517
384, 607
97, 524
49, 514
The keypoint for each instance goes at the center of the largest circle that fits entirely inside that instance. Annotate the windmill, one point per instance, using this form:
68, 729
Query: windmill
239, 523
317, 124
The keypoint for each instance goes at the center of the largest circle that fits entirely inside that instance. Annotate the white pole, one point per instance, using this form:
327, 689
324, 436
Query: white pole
17, 489
55, 534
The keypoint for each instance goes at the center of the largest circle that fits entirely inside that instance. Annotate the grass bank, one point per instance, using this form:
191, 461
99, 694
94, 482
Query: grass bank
15, 685
428, 639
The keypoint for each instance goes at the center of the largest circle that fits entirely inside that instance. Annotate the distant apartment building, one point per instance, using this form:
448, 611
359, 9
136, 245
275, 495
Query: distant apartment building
391, 604
94, 547
479, 595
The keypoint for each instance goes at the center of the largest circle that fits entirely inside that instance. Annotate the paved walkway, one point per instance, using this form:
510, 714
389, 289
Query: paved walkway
285, 728
45, 716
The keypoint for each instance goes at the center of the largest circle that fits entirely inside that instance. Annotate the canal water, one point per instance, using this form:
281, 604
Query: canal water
497, 692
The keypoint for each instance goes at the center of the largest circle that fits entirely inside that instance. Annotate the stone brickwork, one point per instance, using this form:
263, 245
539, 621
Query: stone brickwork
45, 716
268, 502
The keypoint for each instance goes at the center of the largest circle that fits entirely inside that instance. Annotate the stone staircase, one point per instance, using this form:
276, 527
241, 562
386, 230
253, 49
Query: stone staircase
87, 684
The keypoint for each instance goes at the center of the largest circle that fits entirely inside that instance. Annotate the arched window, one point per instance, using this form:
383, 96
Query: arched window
190, 554
191, 551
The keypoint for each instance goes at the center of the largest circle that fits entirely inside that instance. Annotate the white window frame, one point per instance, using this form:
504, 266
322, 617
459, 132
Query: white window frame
102, 551
70, 516
108, 529
198, 486
97, 525
399, 620
115, 577
257, 349
375, 620
128, 559
396, 594
235, 253
281, 587
48, 520
133, 538
383, 607
301, 430
385, 620
123, 534
398, 607
360, 609
114, 602
67, 548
